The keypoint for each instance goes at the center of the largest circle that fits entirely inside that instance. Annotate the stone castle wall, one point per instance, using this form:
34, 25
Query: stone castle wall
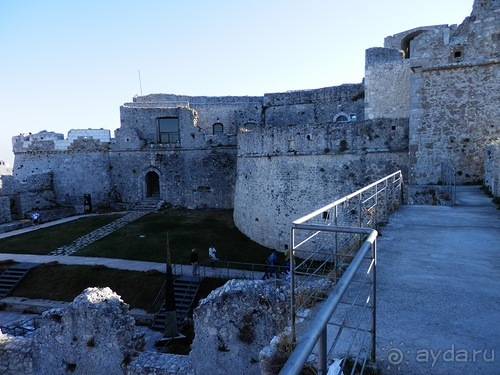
34, 193
429, 96
5, 214
456, 127
313, 107
445, 80
492, 168
286, 172
74, 173
387, 84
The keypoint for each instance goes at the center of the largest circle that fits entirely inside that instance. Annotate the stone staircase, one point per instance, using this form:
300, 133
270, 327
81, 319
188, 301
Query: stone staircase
185, 289
149, 204
12, 276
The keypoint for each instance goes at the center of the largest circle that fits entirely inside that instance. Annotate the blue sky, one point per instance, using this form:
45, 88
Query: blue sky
71, 64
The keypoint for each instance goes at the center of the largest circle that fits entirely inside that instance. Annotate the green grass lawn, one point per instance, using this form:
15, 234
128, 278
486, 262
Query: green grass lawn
64, 282
43, 241
144, 239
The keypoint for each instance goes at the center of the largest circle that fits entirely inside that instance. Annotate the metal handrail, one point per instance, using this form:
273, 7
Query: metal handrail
22, 328
326, 238
317, 333
396, 176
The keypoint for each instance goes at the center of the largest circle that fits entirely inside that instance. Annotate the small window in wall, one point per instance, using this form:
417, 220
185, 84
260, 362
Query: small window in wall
218, 128
457, 53
341, 118
168, 130
250, 125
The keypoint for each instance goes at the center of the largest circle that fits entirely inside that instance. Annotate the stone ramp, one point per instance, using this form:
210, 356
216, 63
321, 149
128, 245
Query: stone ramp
438, 295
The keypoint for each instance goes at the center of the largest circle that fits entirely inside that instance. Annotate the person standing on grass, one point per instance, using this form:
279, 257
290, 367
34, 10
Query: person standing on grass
212, 253
194, 262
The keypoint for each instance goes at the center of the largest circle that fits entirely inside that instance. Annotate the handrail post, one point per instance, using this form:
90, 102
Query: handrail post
292, 286
322, 357
374, 301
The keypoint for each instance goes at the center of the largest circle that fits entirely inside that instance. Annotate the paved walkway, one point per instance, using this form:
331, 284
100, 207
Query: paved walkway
438, 288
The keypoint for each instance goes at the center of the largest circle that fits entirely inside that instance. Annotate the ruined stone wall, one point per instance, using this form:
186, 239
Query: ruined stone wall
492, 168
5, 215
15, 355
235, 322
95, 334
311, 107
286, 172
35, 192
75, 173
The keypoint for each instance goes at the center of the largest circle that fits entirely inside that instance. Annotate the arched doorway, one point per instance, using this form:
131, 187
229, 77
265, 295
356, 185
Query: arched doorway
152, 185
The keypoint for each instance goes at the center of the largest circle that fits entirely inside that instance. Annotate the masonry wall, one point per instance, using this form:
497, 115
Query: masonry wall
194, 178
75, 173
459, 110
444, 80
387, 84
286, 172
492, 168
310, 107
34, 193
5, 215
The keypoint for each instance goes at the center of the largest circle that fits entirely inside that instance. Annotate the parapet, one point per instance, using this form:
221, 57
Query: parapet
378, 55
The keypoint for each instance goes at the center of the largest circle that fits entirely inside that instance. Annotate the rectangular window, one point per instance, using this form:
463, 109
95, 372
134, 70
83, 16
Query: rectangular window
168, 129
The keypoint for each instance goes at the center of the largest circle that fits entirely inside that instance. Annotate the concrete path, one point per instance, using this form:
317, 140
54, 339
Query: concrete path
438, 288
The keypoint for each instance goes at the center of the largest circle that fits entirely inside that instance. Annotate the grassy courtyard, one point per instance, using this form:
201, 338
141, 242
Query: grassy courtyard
144, 239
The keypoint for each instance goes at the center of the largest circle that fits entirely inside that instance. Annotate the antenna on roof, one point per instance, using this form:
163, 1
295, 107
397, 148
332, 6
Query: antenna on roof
140, 82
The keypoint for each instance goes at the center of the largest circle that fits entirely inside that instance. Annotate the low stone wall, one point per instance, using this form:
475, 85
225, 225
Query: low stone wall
96, 334
15, 355
235, 322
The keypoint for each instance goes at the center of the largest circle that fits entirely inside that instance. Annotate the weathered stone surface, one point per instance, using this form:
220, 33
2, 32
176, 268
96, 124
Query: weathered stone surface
235, 322
492, 168
15, 355
94, 335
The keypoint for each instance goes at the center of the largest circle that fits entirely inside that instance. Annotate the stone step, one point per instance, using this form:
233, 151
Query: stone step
185, 289
12, 276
